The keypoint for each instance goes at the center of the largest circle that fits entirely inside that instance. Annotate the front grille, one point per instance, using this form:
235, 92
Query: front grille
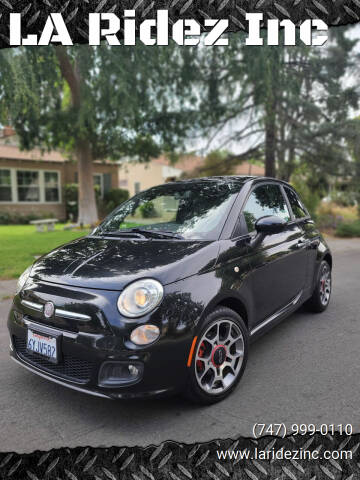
71, 368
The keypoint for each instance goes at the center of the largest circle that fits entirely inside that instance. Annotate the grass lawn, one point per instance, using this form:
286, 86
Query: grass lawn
19, 244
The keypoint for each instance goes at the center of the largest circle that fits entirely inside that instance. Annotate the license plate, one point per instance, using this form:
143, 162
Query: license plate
42, 344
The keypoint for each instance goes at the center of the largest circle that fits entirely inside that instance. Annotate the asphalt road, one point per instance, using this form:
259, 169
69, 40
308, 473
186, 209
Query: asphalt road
305, 370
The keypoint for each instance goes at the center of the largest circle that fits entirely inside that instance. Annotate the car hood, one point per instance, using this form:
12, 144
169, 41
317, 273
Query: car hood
111, 264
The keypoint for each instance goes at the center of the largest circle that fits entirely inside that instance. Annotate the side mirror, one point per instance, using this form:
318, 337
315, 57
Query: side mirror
270, 224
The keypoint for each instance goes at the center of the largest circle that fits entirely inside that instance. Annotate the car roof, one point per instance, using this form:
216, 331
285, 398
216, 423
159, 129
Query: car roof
215, 179
239, 179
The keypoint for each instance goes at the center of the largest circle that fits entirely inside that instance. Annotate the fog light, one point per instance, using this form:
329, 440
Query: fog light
119, 373
145, 334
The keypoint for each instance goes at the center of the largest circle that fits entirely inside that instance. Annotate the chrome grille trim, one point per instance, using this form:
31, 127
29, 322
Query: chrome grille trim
34, 306
72, 315
58, 311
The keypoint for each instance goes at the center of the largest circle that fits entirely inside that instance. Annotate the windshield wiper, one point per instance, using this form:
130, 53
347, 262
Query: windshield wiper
157, 233
121, 233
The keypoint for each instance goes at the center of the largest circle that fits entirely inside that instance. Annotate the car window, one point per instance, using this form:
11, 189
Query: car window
196, 211
297, 207
263, 201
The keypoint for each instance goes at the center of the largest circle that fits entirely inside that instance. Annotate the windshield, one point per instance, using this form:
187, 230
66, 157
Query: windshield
194, 211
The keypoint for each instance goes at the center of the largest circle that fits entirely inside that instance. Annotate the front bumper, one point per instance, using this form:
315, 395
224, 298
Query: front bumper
83, 354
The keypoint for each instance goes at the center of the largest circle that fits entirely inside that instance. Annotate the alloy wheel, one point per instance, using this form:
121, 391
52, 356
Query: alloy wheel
325, 285
219, 356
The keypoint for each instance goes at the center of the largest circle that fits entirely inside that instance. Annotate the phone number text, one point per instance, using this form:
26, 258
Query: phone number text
282, 430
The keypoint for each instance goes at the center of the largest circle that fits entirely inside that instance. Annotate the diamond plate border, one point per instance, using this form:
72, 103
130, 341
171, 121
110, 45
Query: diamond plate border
175, 461
75, 12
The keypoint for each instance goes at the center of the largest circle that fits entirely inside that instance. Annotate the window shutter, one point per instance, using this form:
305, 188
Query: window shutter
107, 182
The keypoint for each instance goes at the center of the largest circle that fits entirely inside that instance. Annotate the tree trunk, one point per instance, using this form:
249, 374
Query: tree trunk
270, 113
270, 142
356, 181
290, 164
86, 200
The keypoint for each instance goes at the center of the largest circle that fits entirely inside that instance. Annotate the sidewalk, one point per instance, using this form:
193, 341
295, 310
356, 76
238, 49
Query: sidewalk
7, 289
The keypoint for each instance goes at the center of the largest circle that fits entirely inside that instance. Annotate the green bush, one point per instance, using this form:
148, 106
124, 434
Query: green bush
19, 219
344, 198
348, 229
5, 218
113, 198
71, 200
328, 221
147, 210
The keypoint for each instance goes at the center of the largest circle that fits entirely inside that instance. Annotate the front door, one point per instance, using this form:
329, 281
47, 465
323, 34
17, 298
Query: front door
279, 262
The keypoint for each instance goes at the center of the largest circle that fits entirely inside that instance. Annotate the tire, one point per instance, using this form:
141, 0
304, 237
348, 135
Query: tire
210, 364
320, 299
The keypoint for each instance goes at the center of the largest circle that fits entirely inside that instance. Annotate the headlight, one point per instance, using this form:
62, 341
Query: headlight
145, 334
140, 298
23, 279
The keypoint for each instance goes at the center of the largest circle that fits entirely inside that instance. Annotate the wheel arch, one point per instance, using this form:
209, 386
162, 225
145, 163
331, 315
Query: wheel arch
328, 258
237, 305
240, 302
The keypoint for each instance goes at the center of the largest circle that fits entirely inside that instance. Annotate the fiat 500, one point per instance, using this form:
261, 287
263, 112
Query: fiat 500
167, 292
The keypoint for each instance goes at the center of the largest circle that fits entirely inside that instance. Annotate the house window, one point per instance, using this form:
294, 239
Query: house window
5, 186
28, 186
137, 187
51, 185
98, 182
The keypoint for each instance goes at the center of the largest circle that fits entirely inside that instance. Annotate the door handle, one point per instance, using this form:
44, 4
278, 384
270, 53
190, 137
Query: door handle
302, 243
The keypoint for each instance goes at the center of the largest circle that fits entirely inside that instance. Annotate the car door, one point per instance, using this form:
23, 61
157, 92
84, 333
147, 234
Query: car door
278, 263
312, 240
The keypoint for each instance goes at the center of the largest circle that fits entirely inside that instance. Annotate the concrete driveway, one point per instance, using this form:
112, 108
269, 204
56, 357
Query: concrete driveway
305, 370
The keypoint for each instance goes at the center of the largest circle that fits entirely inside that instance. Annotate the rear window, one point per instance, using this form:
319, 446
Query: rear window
297, 207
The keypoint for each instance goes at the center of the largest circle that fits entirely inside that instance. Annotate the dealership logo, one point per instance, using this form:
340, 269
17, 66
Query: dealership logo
156, 31
49, 309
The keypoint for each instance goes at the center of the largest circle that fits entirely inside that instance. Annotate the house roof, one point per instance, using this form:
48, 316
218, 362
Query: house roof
247, 168
188, 163
13, 152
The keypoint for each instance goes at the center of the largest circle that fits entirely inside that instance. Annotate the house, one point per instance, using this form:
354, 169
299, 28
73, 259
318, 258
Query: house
136, 177
31, 182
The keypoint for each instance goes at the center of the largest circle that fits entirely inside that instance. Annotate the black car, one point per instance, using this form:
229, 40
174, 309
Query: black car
166, 294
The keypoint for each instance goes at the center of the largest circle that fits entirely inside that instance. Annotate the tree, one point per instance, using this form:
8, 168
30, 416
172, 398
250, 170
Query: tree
96, 103
214, 164
354, 148
287, 105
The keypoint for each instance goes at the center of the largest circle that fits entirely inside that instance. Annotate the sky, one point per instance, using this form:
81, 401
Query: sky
202, 146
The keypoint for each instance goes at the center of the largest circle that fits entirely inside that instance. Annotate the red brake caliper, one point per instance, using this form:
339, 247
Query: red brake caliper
199, 363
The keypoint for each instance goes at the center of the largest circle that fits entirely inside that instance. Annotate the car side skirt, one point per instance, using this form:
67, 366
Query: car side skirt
268, 322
